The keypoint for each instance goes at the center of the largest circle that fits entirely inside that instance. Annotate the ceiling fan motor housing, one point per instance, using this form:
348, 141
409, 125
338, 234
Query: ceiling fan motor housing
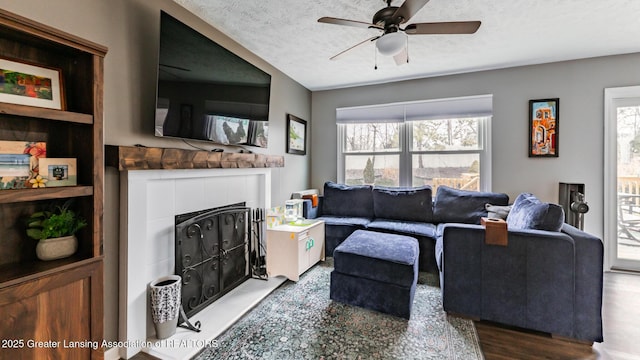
392, 41
384, 18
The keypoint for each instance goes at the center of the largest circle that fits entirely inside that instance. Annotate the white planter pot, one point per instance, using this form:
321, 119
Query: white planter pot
56, 248
165, 304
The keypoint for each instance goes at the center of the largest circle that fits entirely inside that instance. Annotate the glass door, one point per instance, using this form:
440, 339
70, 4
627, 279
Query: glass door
622, 116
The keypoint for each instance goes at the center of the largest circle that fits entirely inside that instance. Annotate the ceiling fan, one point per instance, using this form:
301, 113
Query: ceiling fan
393, 41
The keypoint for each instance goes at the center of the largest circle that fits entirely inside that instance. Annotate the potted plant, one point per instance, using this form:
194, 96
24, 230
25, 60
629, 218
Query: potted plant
55, 229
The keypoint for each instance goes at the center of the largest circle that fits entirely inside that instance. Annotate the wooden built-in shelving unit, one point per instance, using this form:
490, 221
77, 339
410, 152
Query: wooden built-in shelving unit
60, 300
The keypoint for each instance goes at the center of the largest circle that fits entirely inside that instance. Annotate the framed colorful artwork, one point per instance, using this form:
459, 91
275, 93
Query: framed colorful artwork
26, 84
59, 171
543, 127
296, 135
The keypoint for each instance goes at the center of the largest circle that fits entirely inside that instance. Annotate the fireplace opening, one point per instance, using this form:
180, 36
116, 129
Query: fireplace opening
212, 250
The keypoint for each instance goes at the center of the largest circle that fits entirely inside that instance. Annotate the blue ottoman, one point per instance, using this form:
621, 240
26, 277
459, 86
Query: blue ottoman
377, 271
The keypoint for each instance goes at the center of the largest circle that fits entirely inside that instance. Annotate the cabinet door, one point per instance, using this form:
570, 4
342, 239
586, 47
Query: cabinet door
303, 252
52, 318
316, 252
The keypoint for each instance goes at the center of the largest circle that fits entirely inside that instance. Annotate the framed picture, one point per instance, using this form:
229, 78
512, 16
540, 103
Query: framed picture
19, 163
543, 127
296, 135
26, 84
59, 171
14, 165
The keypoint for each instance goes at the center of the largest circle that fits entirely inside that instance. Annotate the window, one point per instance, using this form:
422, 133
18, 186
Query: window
416, 144
372, 153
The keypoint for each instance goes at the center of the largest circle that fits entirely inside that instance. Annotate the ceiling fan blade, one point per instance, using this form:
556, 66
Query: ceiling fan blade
345, 22
402, 57
454, 27
407, 10
338, 55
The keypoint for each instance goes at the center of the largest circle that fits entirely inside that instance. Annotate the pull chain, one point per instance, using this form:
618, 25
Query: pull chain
375, 57
407, 39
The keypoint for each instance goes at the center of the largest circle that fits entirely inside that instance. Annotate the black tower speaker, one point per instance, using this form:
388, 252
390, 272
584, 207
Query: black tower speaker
571, 198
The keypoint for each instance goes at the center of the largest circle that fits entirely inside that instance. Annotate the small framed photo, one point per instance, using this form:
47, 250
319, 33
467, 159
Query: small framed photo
296, 135
26, 84
543, 127
59, 171
19, 163
14, 165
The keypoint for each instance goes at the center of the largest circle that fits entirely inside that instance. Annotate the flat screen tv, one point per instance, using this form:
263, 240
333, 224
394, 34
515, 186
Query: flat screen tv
206, 92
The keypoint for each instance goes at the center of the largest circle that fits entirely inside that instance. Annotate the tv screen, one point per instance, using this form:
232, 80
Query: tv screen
206, 92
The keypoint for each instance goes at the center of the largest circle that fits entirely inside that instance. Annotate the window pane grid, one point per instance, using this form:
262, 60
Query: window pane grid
439, 152
372, 169
416, 152
446, 134
372, 137
372, 153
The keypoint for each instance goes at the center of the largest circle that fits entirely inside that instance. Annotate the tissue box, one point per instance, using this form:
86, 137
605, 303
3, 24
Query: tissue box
275, 216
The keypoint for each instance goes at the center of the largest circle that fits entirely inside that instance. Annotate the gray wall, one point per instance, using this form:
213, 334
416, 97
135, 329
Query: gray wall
580, 87
129, 28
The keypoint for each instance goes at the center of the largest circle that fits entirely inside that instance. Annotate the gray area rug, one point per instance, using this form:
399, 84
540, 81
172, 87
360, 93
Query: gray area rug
299, 321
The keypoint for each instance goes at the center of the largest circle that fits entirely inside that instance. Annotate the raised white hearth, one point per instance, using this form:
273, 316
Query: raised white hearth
215, 319
149, 201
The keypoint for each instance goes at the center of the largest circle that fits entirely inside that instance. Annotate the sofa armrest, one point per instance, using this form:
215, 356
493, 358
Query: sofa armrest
589, 283
529, 283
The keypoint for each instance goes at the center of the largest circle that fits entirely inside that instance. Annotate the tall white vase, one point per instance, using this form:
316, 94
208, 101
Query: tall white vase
165, 304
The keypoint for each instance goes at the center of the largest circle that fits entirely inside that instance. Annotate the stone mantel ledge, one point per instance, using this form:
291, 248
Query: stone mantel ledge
126, 158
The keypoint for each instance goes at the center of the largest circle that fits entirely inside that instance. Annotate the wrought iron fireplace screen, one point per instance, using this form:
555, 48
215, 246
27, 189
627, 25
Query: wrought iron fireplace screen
212, 250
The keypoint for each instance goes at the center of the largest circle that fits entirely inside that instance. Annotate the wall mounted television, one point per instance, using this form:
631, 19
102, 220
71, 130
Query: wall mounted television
205, 92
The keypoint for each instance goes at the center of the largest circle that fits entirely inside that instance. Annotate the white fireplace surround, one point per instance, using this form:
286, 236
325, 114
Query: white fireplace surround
149, 201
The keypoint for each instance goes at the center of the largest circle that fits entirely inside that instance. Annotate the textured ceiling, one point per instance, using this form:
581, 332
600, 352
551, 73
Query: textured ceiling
286, 34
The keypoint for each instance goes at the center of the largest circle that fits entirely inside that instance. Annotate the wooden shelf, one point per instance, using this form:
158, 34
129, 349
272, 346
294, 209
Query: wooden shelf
13, 274
43, 113
147, 158
19, 195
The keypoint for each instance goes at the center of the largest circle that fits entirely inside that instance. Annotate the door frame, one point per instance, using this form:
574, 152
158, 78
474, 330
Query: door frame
611, 262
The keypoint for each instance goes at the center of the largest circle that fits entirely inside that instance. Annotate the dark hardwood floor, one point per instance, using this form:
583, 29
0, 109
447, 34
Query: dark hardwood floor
621, 324
621, 318
143, 356
621, 310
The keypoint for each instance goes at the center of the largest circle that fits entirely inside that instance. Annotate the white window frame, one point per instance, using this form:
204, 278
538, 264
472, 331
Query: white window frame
405, 135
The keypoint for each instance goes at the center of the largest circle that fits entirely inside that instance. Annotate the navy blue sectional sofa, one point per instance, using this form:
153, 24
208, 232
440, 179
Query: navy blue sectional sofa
548, 278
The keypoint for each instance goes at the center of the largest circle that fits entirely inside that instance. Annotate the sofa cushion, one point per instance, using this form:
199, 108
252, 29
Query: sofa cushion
345, 220
463, 206
404, 227
530, 213
408, 204
347, 200
338, 228
498, 212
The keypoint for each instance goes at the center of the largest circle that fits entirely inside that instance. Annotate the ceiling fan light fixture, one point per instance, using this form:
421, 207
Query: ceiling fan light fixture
392, 43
